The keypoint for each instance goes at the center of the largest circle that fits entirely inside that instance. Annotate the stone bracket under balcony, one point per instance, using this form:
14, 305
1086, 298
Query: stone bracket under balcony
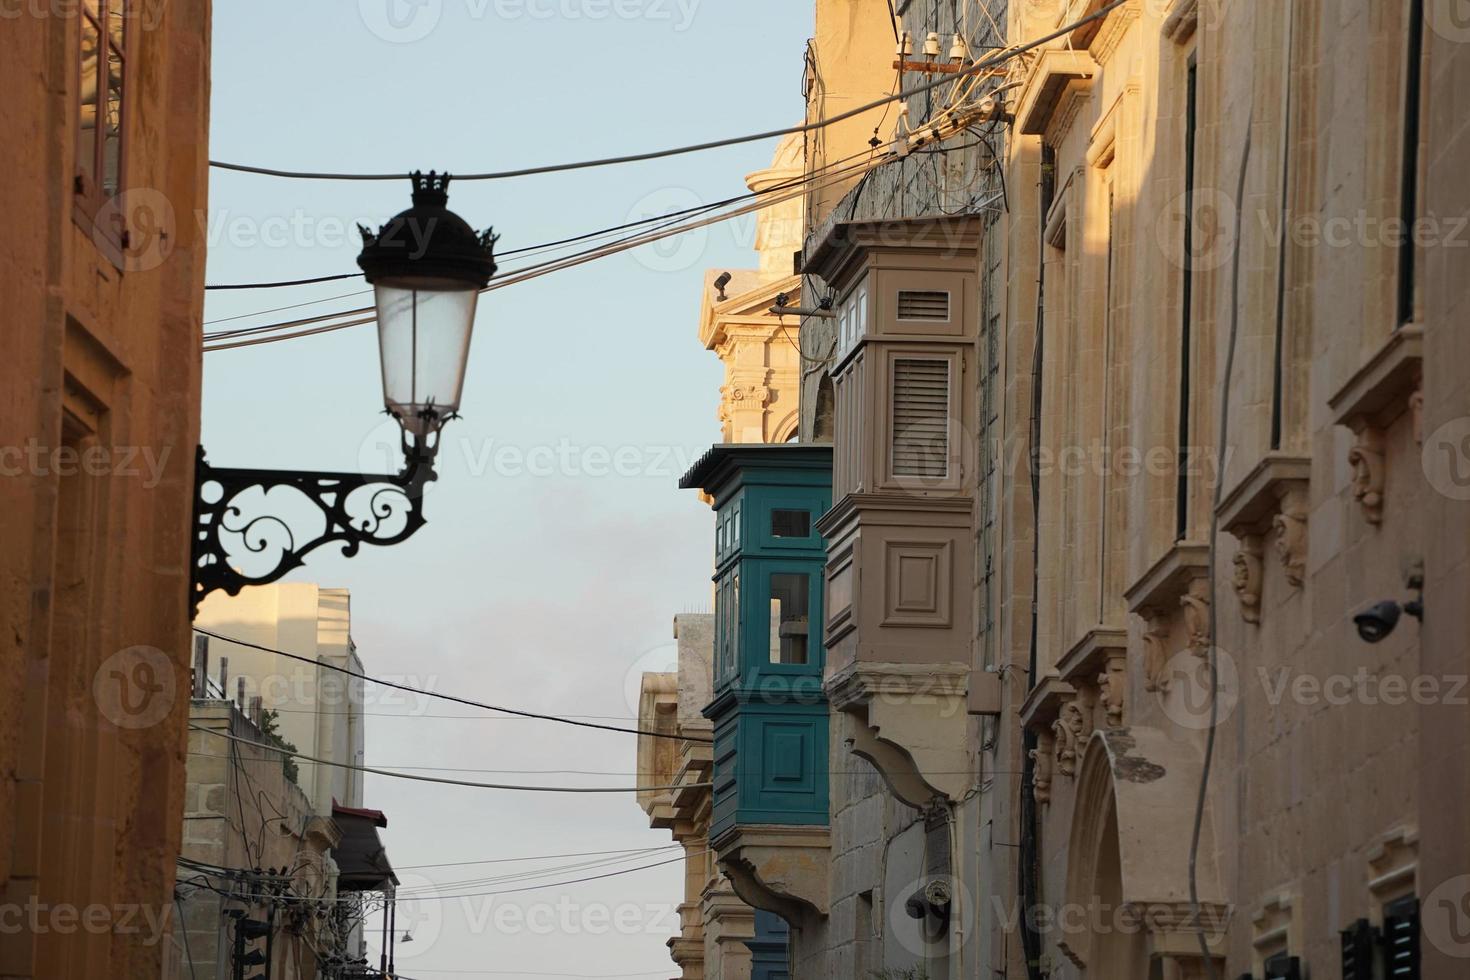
779, 868
910, 722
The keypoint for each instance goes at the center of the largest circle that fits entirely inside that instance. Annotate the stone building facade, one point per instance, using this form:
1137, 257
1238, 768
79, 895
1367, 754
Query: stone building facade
243, 810
1201, 264
106, 126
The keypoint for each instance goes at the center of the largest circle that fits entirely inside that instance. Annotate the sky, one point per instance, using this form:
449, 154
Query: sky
543, 587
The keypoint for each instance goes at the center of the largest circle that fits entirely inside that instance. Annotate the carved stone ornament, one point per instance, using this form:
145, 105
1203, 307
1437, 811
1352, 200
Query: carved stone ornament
1416, 413
1291, 538
1366, 459
1196, 605
1247, 578
1071, 730
1156, 655
1112, 684
1041, 758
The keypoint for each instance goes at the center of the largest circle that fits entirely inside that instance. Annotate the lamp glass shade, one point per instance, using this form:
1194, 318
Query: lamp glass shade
424, 341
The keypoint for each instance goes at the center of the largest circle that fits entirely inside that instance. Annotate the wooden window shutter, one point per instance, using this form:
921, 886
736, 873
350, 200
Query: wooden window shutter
920, 421
1358, 942
1401, 939
1283, 967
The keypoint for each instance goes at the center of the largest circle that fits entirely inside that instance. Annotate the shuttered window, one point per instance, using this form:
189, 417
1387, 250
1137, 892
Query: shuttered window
1401, 939
920, 417
923, 304
1357, 951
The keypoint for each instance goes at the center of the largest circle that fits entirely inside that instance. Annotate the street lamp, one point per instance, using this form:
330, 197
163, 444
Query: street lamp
427, 267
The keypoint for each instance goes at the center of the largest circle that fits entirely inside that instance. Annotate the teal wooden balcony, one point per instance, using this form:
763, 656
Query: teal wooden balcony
768, 709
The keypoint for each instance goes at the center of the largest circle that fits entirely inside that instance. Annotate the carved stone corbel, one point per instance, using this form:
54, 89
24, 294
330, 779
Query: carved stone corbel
1156, 655
1113, 683
1247, 579
1366, 459
1416, 413
1273, 498
1196, 605
1290, 526
1041, 758
1388, 384
1071, 730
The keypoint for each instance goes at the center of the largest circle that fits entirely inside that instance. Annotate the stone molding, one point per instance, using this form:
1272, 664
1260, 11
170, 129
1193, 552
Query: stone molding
1393, 865
1055, 71
910, 722
1387, 385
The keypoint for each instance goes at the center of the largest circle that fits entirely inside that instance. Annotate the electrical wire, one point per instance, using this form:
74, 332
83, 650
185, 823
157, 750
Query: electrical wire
1212, 651
927, 86
449, 697
839, 170
287, 282
444, 780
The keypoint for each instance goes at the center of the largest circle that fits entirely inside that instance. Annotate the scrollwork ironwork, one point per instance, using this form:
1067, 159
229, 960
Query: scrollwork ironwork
349, 509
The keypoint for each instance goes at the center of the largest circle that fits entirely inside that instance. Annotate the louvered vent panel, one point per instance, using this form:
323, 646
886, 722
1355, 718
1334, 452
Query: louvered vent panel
923, 304
920, 417
1401, 939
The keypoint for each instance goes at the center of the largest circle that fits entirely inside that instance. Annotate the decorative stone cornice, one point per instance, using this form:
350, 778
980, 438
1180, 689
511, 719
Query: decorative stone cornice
1273, 498
1379, 392
1177, 581
1042, 713
1098, 664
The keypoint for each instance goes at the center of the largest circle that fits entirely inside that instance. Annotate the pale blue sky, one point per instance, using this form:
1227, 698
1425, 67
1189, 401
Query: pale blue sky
542, 591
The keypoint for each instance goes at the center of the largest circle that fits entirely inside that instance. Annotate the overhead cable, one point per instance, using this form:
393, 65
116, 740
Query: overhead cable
448, 697
976, 68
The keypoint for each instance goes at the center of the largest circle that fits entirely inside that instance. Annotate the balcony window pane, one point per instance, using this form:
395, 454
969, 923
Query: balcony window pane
791, 523
789, 617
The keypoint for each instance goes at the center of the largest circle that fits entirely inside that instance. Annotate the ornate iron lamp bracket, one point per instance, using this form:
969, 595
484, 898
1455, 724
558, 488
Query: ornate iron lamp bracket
240, 537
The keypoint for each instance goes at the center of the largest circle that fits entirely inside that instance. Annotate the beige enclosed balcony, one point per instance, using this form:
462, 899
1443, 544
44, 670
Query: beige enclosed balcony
900, 558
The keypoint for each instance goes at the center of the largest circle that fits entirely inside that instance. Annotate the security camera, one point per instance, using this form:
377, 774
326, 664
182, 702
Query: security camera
1378, 620
721, 281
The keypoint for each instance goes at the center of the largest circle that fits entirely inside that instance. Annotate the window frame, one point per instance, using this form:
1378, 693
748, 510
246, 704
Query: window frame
88, 193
